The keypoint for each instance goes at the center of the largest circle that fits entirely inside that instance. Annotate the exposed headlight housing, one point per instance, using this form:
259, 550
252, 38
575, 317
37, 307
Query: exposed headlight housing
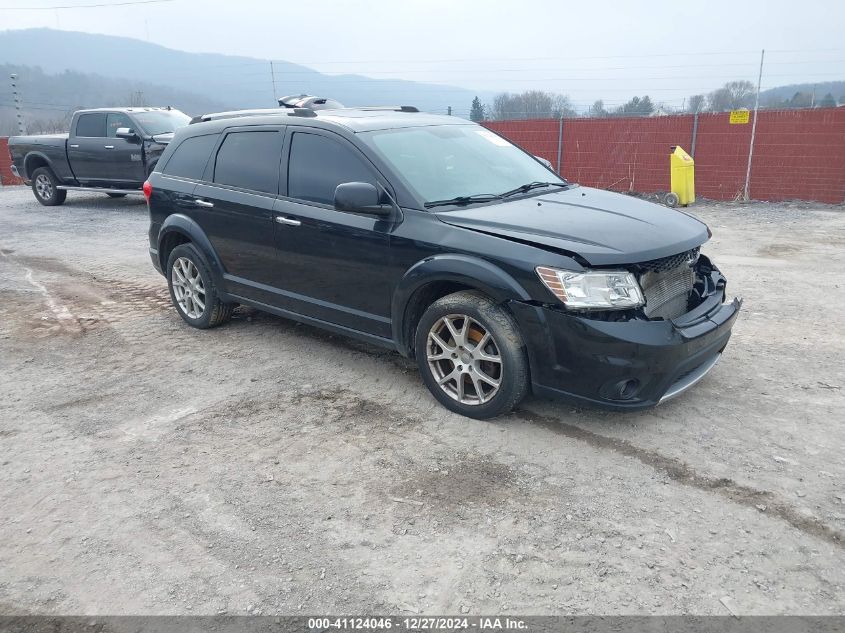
594, 289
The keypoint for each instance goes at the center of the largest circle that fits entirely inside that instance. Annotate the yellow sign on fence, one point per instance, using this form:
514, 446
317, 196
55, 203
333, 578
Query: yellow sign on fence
738, 117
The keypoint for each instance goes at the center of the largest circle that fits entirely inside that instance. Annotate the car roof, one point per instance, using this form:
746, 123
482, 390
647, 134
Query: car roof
353, 119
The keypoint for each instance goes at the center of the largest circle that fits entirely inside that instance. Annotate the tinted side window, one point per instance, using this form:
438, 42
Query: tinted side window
116, 120
91, 124
250, 160
318, 165
190, 158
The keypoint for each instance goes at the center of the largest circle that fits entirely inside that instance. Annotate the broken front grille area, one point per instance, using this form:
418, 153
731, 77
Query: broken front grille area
667, 294
667, 284
671, 286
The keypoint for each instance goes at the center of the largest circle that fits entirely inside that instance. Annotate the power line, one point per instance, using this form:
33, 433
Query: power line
85, 6
568, 57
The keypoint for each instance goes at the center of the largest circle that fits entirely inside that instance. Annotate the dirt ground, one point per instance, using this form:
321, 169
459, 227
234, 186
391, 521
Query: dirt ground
268, 467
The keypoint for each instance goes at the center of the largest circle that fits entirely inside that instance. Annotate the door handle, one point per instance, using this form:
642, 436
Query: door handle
288, 221
109, 146
74, 146
204, 203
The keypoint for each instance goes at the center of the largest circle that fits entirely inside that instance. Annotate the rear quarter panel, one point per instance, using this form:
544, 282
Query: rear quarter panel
30, 152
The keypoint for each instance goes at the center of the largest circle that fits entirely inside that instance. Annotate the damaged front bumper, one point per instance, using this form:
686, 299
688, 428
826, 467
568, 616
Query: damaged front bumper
627, 364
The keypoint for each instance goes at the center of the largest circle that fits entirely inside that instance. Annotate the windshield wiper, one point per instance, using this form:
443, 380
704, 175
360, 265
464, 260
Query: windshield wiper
531, 185
479, 197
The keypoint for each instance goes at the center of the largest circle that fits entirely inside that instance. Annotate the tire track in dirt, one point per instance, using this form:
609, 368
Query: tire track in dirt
78, 301
683, 474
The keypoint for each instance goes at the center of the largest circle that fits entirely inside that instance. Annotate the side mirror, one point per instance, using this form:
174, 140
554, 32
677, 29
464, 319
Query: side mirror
547, 163
359, 197
126, 132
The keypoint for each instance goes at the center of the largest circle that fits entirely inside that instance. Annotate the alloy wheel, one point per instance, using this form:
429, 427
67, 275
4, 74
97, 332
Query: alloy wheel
188, 287
44, 187
464, 359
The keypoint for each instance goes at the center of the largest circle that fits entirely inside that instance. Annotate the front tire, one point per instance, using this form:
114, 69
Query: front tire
46, 188
192, 289
471, 355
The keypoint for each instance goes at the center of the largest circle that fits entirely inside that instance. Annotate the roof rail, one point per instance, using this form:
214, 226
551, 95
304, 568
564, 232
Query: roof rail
405, 108
306, 112
215, 116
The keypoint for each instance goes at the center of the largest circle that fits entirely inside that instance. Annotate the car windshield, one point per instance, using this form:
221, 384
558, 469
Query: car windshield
161, 121
443, 162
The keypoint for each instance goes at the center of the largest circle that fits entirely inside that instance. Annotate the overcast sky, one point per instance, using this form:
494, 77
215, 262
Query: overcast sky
586, 49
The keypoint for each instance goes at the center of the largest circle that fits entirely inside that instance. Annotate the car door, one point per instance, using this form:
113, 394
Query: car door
126, 167
234, 206
86, 149
334, 265
186, 168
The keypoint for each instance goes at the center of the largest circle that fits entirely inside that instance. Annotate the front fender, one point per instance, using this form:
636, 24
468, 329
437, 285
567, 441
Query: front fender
466, 270
181, 224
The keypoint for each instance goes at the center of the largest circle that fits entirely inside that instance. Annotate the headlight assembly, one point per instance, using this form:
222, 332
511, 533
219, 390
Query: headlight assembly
593, 290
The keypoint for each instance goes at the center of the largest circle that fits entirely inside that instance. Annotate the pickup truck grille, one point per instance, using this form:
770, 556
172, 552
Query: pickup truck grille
667, 292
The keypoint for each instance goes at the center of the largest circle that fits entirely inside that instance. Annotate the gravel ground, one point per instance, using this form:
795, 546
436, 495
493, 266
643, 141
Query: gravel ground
269, 467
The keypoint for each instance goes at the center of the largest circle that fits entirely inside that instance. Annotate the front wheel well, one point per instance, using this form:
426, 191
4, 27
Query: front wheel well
168, 243
419, 302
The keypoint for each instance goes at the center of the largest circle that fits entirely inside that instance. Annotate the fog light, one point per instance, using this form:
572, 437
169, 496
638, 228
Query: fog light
622, 390
628, 389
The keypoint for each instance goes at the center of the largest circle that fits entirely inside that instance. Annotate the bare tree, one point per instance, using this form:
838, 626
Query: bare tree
532, 104
732, 96
597, 110
48, 125
696, 103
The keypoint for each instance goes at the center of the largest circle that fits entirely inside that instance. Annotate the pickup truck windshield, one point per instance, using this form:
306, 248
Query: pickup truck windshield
446, 162
161, 121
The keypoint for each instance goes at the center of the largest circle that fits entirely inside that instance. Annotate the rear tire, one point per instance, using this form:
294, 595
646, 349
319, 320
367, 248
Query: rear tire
192, 289
471, 355
45, 186
116, 195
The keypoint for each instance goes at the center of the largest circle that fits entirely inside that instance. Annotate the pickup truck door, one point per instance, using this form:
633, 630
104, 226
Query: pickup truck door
126, 167
86, 152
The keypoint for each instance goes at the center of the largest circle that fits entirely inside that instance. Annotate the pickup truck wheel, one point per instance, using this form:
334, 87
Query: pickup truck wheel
471, 355
45, 187
116, 195
192, 289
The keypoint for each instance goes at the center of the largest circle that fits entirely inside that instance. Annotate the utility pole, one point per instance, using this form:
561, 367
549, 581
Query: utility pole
16, 96
746, 195
273, 77
559, 142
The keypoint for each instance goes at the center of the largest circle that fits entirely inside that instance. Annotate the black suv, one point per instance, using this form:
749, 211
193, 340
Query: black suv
437, 238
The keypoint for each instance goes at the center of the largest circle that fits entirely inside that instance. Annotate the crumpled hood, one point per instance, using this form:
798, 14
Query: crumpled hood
603, 227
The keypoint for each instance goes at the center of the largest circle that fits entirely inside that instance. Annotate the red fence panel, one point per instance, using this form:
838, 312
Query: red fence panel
625, 154
6, 177
798, 154
721, 157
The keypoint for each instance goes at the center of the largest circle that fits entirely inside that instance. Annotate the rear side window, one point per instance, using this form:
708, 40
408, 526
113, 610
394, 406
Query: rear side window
190, 158
92, 125
318, 165
250, 160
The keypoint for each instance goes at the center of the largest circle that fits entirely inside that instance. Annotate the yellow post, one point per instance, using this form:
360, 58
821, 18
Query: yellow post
682, 176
